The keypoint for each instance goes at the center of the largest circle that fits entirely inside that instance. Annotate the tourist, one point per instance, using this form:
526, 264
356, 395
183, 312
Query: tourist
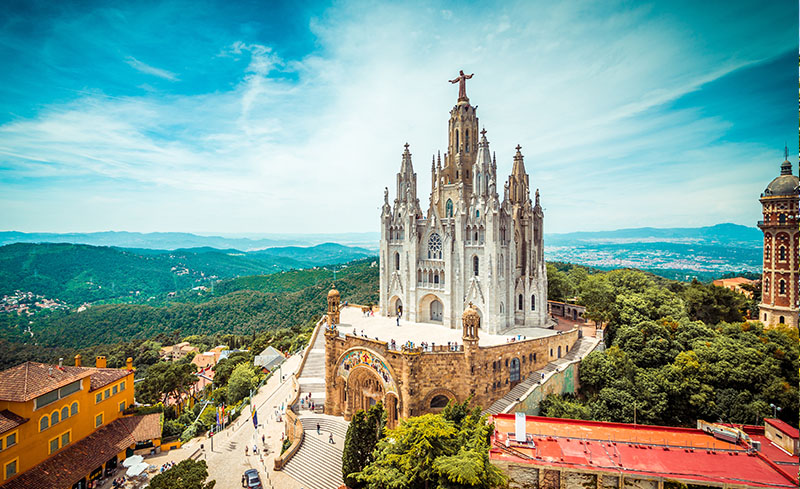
246, 453
318, 429
262, 440
398, 321
255, 449
330, 438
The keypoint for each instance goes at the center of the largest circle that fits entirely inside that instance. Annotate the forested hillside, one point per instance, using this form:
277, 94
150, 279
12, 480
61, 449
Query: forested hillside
237, 306
82, 273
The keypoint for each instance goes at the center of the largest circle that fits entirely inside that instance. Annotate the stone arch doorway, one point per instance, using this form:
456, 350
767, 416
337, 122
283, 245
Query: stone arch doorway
363, 389
392, 406
396, 306
431, 309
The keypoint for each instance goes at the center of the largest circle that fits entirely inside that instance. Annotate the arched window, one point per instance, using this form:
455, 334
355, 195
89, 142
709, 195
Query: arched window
475, 265
466, 140
435, 247
73, 410
396, 260
501, 308
514, 370
559, 351
44, 423
436, 278
782, 219
456, 174
782, 253
54, 418
782, 287
448, 208
781, 320
519, 300
478, 182
439, 401
457, 145
64, 412
533, 303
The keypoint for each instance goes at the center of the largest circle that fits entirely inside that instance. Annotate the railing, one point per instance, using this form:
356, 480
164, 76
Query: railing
294, 428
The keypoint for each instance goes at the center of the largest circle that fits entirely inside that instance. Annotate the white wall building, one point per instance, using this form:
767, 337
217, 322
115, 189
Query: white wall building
469, 246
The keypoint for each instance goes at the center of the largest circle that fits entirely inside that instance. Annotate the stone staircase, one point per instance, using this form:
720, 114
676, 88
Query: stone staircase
581, 348
312, 378
318, 463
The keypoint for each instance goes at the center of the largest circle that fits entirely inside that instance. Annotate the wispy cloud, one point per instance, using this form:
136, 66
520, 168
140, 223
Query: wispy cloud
150, 70
307, 142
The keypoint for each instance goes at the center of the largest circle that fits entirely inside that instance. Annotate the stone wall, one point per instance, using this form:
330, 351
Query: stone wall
484, 372
542, 476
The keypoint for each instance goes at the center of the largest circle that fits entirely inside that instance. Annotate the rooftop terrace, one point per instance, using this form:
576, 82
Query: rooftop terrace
685, 454
353, 321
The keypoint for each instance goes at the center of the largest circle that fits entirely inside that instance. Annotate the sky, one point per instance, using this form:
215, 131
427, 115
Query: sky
267, 117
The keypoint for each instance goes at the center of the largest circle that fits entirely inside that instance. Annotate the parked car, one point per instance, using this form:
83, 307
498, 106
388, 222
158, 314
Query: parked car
250, 480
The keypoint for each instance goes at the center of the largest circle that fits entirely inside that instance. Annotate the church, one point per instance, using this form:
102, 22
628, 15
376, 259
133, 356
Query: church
469, 246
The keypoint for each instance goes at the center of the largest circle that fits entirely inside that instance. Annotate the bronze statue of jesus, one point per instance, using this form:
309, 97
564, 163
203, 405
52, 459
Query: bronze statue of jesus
462, 85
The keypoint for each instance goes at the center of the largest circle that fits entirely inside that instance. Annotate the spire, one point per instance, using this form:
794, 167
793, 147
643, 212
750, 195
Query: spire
786, 166
519, 163
494, 161
439, 160
537, 198
405, 166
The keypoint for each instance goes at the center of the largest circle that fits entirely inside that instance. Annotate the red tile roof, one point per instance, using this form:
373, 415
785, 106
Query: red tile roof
784, 427
9, 421
77, 460
32, 379
685, 454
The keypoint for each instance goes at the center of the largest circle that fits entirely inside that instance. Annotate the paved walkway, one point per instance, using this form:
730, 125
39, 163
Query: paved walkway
353, 321
227, 461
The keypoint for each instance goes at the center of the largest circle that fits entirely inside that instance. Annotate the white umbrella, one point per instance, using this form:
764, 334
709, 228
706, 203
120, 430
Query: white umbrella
136, 469
132, 460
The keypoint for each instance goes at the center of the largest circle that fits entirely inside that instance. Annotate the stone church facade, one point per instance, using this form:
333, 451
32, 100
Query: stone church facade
469, 246
780, 293
411, 381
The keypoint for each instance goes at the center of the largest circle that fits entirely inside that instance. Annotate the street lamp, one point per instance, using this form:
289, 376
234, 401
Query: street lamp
775, 410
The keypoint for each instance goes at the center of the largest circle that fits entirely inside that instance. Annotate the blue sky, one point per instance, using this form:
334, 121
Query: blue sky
248, 117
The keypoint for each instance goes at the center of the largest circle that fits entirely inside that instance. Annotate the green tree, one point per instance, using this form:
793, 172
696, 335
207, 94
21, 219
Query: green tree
188, 474
363, 434
432, 451
242, 380
165, 379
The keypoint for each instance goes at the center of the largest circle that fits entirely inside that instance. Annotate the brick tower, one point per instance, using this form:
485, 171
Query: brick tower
779, 283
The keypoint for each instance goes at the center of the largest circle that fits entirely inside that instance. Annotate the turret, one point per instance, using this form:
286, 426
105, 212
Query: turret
470, 323
333, 306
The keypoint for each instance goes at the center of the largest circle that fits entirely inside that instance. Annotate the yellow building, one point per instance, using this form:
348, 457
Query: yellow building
61, 426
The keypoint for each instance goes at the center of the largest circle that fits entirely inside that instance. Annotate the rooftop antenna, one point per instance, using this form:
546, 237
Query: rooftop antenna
785, 151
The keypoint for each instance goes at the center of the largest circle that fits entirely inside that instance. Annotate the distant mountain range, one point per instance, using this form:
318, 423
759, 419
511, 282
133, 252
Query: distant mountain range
726, 234
173, 241
681, 253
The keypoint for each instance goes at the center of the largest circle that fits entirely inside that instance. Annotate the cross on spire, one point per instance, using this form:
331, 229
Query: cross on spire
483, 132
406, 146
518, 148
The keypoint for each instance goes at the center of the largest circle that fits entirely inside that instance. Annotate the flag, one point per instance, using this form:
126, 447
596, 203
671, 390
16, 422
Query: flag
255, 416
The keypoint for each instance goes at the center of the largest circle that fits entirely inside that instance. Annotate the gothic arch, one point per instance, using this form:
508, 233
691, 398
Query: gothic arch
391, 385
